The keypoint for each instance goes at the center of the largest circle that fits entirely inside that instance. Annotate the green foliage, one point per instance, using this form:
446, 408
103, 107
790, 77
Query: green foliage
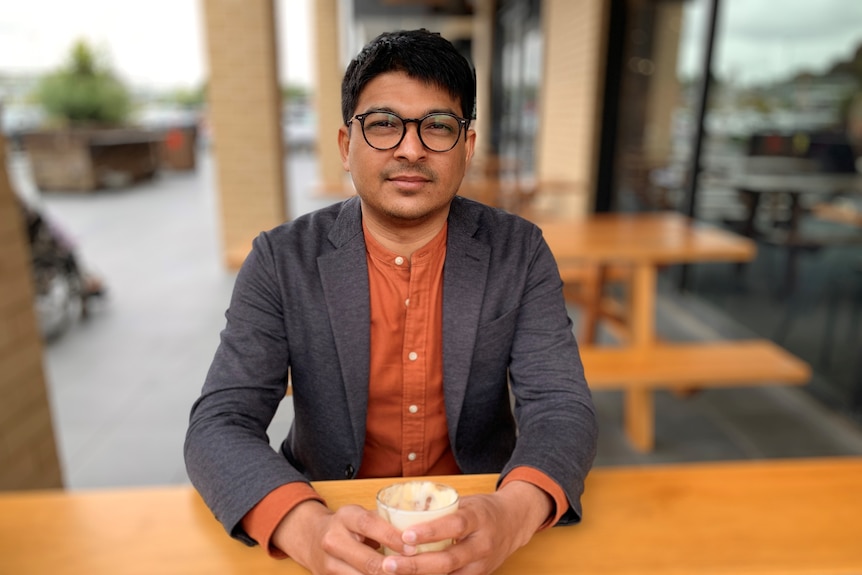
295, 94
756, 100
188, 97
84, 91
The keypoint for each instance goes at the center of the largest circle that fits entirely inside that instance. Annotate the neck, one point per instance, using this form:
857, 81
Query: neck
405, 240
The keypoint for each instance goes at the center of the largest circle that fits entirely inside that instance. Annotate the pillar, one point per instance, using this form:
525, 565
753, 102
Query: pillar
28, 452
245, 117
575, 35
330, 71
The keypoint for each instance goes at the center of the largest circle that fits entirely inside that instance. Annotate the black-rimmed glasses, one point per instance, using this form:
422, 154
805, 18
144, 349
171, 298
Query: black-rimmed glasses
439, 131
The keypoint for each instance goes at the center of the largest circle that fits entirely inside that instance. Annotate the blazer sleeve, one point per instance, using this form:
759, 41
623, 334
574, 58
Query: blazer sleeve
227, 451
557, 427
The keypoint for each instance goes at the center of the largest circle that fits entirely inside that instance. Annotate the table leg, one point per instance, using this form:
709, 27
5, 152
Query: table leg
644, 285
749, 225
751, 201
638, 403
793, 248
640, 419
592, 292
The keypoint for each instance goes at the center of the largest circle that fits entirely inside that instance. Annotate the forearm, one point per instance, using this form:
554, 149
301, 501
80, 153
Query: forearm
527, 507
295, 535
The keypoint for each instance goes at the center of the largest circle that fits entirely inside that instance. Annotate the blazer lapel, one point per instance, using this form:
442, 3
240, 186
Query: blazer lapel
344, 276
464, 277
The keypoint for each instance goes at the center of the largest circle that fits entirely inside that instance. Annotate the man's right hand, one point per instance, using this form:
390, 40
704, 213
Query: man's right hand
343, 542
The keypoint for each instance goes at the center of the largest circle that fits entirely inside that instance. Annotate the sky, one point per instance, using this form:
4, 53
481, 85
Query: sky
160, 44
155, 44
766, 40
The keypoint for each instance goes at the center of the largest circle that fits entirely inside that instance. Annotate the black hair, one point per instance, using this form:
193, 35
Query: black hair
422, 55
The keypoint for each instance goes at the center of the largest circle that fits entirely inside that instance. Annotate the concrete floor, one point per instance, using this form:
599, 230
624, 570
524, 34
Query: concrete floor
122, 382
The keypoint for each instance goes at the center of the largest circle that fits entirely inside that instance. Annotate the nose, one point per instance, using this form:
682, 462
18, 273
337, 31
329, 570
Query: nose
411, 147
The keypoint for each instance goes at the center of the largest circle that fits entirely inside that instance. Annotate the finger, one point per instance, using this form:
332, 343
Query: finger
343, 548
447, 561
369, 525
456, 526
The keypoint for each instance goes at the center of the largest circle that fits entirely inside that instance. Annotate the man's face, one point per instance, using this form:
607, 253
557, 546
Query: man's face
408, 184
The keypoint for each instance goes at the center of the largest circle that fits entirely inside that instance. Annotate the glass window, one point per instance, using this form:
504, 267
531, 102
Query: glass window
785, 101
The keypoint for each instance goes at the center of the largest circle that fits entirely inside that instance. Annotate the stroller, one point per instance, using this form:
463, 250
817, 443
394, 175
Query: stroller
63, 290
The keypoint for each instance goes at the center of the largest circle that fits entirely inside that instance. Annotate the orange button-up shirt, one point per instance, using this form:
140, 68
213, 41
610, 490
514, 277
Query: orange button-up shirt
406, 429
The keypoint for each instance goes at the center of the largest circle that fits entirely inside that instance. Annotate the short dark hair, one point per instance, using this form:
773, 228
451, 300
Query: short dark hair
420, 54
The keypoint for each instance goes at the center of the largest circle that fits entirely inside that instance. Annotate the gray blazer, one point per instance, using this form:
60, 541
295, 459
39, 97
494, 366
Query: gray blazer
301, 304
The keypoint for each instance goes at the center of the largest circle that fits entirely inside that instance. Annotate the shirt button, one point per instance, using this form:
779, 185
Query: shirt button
413, 409
413, 355
407, 302
411, 457
399, 260
348, 471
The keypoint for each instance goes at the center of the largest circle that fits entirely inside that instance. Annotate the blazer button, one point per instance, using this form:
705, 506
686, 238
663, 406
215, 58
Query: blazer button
348, 471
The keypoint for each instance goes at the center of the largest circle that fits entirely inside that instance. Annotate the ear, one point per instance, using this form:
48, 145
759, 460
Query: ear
344, 146
470, 145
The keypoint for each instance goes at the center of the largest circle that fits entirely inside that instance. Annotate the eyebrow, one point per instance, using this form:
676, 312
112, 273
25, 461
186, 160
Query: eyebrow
426, 113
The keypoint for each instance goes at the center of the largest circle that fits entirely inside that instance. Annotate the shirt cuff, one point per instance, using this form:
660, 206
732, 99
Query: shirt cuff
262, 520
535, 477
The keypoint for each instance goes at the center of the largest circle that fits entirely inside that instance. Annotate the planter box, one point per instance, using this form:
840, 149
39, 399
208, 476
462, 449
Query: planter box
90, 159
178, 148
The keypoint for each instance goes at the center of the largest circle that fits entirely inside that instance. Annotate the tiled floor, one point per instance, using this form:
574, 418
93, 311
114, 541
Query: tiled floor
122, 382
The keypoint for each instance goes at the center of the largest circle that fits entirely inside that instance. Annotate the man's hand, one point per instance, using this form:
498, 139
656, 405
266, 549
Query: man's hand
486, 529
343, 542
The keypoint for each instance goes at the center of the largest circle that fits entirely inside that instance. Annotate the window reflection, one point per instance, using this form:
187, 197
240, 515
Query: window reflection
785, 97
518, 48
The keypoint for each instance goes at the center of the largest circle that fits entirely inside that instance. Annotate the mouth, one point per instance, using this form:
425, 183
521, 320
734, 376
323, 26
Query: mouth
409, 181
409, 178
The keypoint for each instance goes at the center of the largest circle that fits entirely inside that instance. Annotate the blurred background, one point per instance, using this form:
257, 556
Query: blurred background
146, 144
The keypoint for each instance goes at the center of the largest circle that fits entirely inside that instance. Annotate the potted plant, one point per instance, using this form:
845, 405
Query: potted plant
89, 144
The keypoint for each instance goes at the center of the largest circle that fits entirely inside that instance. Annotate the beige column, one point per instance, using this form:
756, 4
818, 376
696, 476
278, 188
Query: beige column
483, 54
28, 452
575, 36
330, 71
245, 116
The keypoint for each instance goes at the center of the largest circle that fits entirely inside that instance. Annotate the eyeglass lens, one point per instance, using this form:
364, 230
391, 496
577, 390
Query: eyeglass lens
438, 132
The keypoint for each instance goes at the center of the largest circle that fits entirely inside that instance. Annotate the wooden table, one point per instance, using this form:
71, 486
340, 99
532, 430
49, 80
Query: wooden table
643, 242
752, 186
772, 517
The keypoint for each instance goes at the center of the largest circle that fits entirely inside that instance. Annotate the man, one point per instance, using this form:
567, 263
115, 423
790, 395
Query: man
404, 316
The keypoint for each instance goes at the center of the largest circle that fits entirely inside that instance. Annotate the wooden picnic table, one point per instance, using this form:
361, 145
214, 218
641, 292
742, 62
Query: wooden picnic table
793, 517
788, 232
642, 243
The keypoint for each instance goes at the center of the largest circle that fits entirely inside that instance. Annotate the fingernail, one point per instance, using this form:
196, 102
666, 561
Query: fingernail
409, 537
408, 550
390, 565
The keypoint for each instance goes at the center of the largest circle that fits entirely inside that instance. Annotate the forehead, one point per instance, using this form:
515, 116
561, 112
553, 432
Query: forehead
409, 97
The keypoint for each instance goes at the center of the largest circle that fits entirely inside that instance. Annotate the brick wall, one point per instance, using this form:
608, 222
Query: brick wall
28, 453
245, 117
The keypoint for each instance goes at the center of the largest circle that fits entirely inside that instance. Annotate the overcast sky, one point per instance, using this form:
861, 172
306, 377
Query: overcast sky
159, 43
760, 40
153, 43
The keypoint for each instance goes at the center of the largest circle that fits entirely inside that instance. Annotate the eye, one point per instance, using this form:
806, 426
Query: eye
381, 121
440, 124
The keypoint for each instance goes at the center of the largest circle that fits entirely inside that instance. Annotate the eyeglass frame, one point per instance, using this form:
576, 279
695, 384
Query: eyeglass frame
463, 126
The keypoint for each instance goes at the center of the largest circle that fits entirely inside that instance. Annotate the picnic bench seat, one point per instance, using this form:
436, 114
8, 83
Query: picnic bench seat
683, 366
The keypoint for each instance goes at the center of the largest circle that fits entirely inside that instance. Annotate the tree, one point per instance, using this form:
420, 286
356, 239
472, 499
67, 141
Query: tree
84, 91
